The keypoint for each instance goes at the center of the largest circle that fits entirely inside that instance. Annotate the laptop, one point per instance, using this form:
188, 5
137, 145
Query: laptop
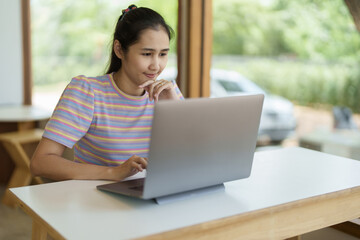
196, 145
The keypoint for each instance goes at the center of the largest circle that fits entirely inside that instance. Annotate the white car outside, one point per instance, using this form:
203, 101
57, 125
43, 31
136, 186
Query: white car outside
277, 120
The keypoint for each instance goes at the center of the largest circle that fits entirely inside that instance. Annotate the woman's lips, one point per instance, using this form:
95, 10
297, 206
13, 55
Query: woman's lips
152, 76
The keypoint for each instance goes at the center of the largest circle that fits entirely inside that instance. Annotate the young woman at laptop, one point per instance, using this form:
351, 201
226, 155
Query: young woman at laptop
107, 119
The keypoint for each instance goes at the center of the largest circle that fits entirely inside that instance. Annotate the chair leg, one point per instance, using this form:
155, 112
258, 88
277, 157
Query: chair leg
20, 177
38, 180
38, 232
19, 157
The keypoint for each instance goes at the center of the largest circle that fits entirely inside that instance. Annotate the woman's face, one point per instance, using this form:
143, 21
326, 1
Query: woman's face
147, 58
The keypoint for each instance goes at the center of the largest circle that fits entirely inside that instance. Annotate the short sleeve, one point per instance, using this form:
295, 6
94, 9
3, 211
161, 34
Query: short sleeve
73, 114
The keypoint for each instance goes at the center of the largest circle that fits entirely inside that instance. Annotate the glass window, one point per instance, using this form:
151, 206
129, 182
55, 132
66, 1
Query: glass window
303, 69
71, 38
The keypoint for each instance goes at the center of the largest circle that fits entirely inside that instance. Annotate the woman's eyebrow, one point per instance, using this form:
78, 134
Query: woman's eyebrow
153, 50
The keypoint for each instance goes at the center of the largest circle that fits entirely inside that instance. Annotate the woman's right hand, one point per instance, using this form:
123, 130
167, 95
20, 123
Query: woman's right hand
130, 167
47, 161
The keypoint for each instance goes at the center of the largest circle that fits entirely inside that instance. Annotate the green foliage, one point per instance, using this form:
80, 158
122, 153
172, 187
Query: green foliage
307, 51
308, 29
312, 48
70, 38
247, 28
169, 10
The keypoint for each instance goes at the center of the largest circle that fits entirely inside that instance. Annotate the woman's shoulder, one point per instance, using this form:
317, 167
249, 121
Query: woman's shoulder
98, 81
91, 80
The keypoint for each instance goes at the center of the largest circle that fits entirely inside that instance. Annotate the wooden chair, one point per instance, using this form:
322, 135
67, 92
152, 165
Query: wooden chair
14, 145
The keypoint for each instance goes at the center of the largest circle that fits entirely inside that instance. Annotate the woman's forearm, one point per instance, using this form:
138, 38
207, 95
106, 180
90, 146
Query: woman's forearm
58, 168
48, 162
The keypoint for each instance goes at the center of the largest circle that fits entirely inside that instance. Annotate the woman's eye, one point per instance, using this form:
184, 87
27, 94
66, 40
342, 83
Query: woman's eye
146, 54
163, 54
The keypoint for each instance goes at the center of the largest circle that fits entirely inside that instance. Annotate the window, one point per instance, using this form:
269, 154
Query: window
71, 38
270, 43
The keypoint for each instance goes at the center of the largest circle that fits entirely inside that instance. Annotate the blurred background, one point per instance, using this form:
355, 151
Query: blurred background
303, 55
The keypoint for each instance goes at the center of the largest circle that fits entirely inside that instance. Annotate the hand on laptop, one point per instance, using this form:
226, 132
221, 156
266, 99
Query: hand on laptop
159, 89
132, 166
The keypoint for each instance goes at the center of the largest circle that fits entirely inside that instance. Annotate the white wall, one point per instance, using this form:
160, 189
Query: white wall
11, 65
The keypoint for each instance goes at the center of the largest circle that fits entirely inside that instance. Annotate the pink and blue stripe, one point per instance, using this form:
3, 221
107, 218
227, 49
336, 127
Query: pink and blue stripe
104, 125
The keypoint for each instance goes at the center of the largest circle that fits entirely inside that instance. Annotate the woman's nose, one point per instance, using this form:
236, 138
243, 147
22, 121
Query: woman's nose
155, 63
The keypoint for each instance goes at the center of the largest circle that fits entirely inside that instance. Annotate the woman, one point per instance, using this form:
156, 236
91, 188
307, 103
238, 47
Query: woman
107, 119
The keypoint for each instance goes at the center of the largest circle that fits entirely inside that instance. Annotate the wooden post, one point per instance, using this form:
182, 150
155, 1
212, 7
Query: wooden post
354, 8
26, 42
194, 47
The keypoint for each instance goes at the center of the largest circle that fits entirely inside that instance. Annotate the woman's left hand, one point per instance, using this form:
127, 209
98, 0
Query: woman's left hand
159, 89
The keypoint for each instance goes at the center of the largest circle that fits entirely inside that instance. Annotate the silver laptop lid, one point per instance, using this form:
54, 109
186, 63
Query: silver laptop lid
201, 142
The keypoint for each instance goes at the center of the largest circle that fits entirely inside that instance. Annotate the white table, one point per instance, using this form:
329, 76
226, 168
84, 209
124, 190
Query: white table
290, 192
21, 113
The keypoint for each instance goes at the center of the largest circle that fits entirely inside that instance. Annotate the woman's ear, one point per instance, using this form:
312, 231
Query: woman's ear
117, 49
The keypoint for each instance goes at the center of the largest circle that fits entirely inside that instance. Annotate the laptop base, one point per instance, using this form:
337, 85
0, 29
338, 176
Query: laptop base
180, 196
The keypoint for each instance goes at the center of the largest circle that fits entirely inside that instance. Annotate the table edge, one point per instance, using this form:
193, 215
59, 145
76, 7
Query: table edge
235, 225
35, 217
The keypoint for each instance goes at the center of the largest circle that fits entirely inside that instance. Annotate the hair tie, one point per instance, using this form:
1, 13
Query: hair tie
124, 11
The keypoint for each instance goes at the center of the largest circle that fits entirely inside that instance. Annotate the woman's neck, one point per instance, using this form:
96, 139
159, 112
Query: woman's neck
126, 85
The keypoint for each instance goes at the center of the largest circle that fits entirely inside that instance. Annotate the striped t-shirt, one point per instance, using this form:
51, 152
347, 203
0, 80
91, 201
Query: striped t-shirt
104, 125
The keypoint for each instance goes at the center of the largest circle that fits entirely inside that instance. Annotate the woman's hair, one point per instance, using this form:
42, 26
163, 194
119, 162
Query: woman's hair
130, 26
